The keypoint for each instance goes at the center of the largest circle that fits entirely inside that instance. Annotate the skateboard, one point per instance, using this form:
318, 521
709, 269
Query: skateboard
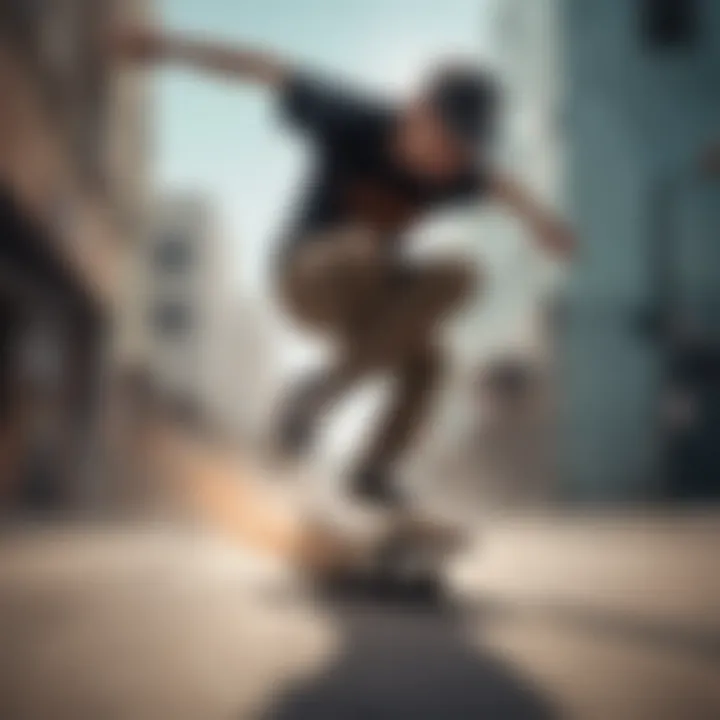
387, 555
403, 560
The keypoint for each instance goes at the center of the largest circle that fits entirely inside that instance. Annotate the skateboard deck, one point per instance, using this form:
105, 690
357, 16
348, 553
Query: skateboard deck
403, 558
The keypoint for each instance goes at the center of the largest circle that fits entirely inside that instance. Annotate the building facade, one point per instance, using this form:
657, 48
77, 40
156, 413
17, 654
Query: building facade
67, 213
181, 287
620, 103
210, 351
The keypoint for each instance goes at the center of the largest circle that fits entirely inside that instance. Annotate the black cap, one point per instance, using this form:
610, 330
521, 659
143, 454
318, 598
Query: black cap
467, 100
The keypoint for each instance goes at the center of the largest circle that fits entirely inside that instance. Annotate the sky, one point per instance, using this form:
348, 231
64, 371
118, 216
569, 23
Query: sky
226, 142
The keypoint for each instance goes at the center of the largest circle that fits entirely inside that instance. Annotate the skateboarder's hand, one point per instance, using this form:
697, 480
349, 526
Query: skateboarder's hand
552, 232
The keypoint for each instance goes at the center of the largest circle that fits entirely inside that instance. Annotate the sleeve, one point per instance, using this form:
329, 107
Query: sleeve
322, 109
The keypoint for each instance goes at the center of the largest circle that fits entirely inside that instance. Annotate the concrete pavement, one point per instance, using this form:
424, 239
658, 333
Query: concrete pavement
560, 617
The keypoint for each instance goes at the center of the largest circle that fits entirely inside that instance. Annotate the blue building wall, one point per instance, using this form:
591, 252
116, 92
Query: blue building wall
635, 119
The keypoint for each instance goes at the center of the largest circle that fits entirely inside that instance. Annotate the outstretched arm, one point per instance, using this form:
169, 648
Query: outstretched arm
553, 234
248, 64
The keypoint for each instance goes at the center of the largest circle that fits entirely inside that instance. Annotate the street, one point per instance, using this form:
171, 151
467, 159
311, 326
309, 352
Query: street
556, 617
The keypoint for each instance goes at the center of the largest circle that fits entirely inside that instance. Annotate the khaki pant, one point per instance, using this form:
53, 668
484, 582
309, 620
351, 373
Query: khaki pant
383, 315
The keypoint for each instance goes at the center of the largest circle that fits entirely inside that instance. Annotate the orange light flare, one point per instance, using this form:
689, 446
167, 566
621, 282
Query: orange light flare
229, 495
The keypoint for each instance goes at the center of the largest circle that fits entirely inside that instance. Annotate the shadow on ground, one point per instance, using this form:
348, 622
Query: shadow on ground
402, 664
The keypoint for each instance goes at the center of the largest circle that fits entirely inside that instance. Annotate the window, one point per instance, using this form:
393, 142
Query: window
670, 23
172, 319
173, 253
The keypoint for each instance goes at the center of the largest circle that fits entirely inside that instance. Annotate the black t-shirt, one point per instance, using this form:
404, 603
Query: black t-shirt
355, 179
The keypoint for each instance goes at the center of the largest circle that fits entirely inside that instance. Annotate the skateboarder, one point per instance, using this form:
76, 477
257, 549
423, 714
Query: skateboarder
379, 167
